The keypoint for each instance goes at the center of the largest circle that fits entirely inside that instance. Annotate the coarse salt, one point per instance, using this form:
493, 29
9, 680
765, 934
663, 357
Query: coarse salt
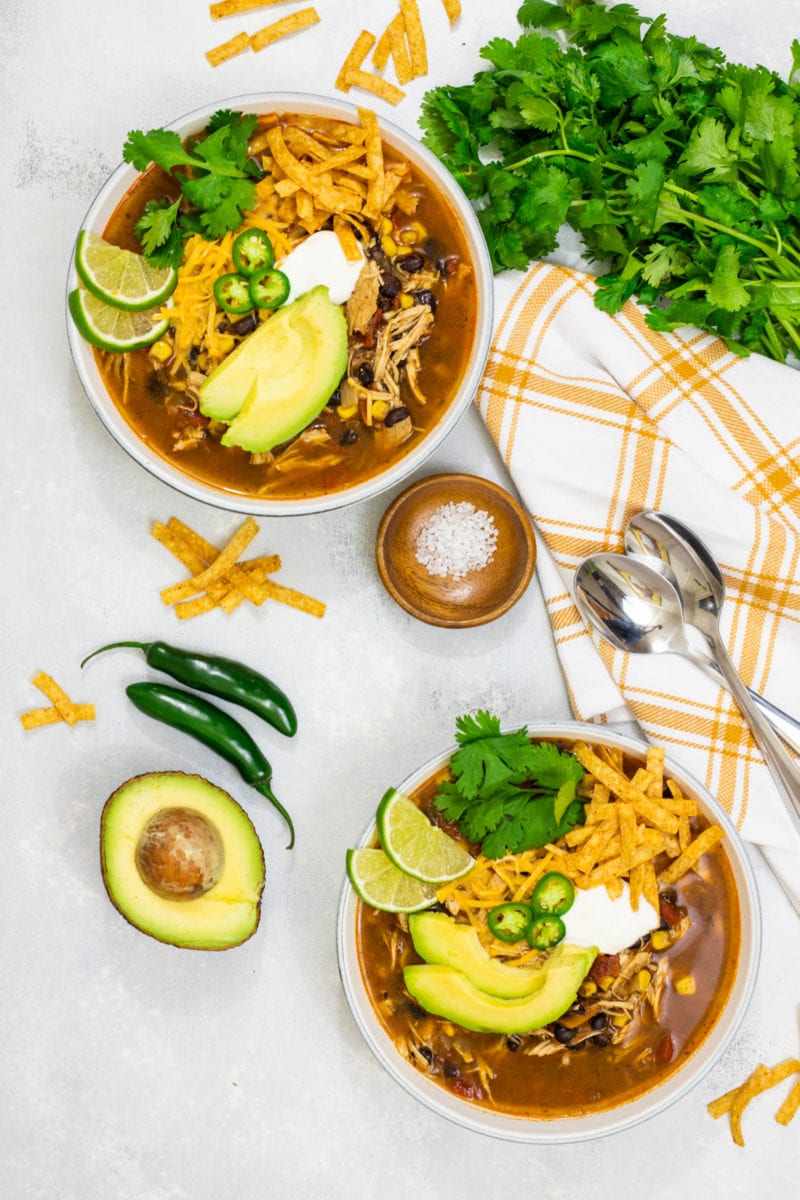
455, 539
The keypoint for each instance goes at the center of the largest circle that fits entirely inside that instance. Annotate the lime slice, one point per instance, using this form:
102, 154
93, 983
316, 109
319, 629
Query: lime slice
112, 328
119, 277
378, 882
414, 845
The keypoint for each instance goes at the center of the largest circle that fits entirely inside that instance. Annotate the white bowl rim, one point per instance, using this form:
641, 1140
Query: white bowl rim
114, 188
610, 1121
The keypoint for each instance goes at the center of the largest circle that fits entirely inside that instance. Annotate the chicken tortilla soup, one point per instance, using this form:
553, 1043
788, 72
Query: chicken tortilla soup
346, 248
575, 972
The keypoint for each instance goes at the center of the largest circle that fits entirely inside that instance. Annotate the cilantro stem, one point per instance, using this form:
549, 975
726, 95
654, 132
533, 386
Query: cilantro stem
697, 218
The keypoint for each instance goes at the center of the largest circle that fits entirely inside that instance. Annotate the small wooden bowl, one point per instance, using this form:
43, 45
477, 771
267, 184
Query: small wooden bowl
479, 596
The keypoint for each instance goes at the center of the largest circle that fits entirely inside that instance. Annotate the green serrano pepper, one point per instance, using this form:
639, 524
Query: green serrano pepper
221, 677
214, 728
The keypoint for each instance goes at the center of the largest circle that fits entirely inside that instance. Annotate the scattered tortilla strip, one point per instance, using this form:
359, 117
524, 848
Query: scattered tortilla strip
217, 583
761, 1080
49, 716
383, 46
232, 8
400, 53
235, 45
416, 37
701, 844
453, 9
280, 29
240, 540
379, 87
63, 708
358, 52
790, 1106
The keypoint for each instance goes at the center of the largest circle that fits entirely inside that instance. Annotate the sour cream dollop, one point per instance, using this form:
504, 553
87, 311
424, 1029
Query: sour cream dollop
320, 260
611, 925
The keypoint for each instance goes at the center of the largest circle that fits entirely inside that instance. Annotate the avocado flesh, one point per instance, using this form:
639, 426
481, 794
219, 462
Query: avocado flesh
448, 993
438, 938
224, 916
281, 376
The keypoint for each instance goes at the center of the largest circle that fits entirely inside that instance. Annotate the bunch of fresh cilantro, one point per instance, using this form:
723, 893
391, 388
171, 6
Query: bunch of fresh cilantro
216, 176
506, 792
680, 171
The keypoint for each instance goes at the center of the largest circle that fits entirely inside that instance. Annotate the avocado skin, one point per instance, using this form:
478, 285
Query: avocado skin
229, 913
280, 377
448, 993
438, 938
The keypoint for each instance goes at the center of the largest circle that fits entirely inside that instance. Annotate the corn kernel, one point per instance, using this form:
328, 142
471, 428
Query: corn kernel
386, 225
685, 986
160, 351
389, 245
620, 1020
588, 989
347, 413
379, 409
643, 980
606, 982
660, 939
407, 236
406, 301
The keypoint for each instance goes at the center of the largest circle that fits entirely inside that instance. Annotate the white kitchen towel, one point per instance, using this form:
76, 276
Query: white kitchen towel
599, 417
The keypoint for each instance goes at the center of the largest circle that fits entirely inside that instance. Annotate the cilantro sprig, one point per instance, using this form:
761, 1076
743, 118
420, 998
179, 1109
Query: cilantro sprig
506, 792
216, 176
680, 171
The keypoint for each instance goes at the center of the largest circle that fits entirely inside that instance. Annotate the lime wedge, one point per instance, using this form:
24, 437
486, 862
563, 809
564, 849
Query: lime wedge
414, 845
119, 277
112, 328
378, 882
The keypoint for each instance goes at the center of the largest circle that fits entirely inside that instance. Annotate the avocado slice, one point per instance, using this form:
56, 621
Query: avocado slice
181, 861
438, 938
281, 376
448, 993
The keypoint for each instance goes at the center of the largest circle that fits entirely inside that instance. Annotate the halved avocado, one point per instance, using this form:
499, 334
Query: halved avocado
448, 993
182, 861
438, 938
281, 376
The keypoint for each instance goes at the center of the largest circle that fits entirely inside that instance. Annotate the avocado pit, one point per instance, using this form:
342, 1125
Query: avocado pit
180, 854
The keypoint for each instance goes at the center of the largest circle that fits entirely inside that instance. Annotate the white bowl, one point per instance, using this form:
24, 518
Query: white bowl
613, 1120
106, 202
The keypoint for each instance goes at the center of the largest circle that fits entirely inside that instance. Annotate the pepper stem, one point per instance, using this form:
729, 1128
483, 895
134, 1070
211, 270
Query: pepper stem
144, 646
266, 790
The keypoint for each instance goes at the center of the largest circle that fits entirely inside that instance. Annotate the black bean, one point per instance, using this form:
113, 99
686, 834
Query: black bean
426, 1053
513, 1043
348, 437
244, 325
417, 1013
449, 265
450, 1070
396, 414
376, 252
156, 385
335, 399
563, 1034
600, 1039
599, 1021
365, 374
193, 355
411, 263
390, 285
425, 296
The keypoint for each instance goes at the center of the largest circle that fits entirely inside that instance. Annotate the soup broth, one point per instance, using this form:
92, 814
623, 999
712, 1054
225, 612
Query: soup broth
528, 1076
417, 262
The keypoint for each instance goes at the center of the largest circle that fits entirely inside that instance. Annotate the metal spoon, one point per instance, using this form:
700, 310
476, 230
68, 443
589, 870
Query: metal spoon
677, 552
639, 610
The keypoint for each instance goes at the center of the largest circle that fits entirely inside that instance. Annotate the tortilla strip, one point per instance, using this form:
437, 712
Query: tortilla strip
383, 47
374, 151
790, 1106
232, 8
655, 765
621, 787
330, 197
619, 866
453, 9
347, 239
37, 717
295, 599
190, 587
176, 541
701, 844
226, 50
242, 577
358, 52
416, 37
379, 87
279, 29
57, 697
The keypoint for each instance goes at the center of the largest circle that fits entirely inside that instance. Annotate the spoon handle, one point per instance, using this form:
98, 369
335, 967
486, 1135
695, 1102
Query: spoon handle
782, 767
787, 726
